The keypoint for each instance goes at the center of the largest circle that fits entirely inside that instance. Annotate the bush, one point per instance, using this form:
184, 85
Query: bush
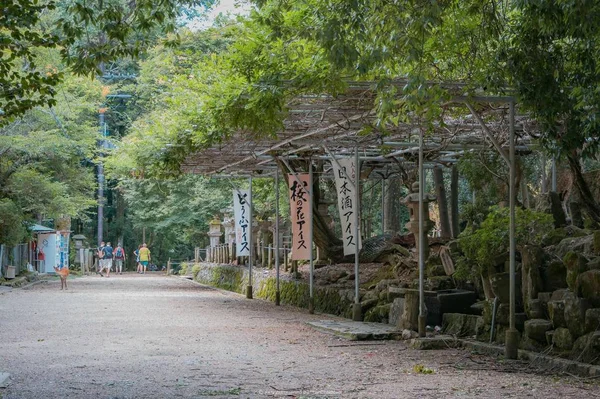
485, 244
12, 230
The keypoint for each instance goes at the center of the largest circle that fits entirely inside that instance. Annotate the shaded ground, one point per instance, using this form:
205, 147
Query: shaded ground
151, 336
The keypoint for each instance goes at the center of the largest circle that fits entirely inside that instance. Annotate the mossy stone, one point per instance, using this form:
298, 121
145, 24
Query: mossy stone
554, 237
576, 264
378, 314
588, 286
562, 339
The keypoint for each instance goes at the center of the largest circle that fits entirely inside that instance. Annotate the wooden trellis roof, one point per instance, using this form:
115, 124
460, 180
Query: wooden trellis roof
318, 126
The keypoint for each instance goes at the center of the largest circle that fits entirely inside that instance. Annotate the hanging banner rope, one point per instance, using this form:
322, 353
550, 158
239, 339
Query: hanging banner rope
345, 174
241, 210
300, 211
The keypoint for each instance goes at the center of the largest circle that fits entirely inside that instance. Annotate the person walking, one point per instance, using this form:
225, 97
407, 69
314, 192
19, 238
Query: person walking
144, 257
137, 258
100, 256
108, 258
119, 259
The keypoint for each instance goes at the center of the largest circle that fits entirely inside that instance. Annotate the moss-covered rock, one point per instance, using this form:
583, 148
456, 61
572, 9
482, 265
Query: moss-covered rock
575, 309
596, 242
488, 309
554, 276
536, 329
594, 263
434, 267
378, 314
562, 339
582, 245
556, 312
367, 304
587, 348
501, 286
439, 283
454, 247
536, 309
588, 286
576, 264
554, 237
592, 320
461, 325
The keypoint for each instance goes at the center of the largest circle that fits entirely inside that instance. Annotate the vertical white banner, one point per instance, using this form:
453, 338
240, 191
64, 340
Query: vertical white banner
300, 212
241, 210
344, 184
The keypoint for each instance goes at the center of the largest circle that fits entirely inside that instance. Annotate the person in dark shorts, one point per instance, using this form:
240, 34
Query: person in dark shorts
137, 258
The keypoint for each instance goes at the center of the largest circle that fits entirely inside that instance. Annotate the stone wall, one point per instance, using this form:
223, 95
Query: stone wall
295, 293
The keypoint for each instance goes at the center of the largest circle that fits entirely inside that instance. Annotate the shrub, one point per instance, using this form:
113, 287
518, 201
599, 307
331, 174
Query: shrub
484, 244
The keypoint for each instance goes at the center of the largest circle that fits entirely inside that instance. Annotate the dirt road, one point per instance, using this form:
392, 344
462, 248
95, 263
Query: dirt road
152, 336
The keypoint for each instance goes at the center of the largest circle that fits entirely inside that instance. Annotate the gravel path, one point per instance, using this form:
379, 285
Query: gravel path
152, 336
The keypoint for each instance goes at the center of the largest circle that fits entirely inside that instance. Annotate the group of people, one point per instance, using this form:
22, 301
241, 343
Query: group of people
106, 254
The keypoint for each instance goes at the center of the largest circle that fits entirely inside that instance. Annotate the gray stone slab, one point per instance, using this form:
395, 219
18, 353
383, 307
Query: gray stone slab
4, 379
358, 331
4, 288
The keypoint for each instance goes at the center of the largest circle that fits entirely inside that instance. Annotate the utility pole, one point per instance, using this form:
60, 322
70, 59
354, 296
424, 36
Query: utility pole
101, 179
104, 145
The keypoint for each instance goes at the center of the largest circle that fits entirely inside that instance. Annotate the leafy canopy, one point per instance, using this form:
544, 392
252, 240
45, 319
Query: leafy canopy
87, 33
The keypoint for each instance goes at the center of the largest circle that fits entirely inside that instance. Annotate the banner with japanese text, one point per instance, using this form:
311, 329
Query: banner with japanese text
346, 193
300, 213
241, 210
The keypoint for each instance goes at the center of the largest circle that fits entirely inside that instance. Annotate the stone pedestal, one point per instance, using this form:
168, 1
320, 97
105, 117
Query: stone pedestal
412, 202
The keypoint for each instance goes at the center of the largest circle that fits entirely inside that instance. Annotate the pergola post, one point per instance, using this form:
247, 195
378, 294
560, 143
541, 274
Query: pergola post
311, 297
356, 308
554, 174
383, 181
276, 239
422, 309
512, 335
250, 260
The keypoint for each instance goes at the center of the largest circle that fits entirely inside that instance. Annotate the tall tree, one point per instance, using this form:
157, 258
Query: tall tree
87, 33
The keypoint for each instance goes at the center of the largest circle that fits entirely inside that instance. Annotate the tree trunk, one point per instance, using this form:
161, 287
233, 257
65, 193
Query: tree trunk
440, 190
120, 222
393, 191
525, 193
585, 194
455, 225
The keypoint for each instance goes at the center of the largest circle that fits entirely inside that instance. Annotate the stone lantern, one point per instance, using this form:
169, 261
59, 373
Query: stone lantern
78, 240
214, 232
81, 254
229, 227
412, 202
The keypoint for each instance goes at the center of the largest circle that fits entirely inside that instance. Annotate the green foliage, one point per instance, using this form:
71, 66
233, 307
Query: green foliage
560, 42
12, 229
88, 35
421, 369
42, 154
176, 212
482, 245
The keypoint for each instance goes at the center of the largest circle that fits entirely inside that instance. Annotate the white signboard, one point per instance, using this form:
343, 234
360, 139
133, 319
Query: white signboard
241, 209
346, 193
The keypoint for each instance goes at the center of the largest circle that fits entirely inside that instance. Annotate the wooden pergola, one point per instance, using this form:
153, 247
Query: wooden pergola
319, 126
327, 127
